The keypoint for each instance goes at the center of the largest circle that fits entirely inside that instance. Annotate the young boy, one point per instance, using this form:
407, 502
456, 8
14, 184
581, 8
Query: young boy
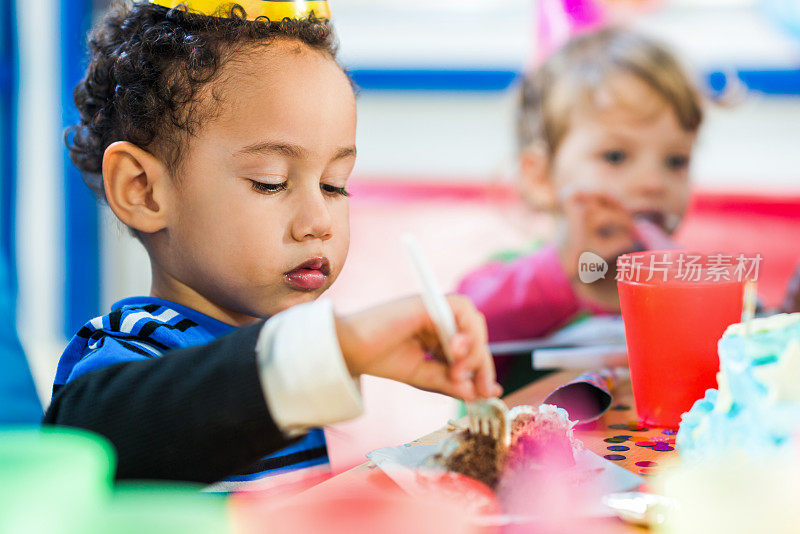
225, 144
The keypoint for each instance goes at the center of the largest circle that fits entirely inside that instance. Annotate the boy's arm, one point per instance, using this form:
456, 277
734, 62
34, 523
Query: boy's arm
527, 298
203, 413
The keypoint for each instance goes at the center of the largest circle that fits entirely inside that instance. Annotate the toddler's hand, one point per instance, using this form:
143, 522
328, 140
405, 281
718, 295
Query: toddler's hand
394, 340
598, 223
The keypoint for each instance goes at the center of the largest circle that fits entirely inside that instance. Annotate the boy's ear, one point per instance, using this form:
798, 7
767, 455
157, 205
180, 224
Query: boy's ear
534, 182
137, 186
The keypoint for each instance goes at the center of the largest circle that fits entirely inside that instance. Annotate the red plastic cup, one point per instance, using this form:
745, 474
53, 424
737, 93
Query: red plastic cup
675, 306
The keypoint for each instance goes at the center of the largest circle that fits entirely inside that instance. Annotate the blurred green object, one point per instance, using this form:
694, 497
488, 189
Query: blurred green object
60, 481
163, 509
53, 481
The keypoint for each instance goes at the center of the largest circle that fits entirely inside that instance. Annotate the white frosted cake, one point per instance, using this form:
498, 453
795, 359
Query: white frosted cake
756, 408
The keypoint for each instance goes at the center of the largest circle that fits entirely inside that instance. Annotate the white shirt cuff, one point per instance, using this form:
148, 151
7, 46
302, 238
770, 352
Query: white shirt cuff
303, 374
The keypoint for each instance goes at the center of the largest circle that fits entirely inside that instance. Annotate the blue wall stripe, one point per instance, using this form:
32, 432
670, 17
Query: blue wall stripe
432, 79
9, 68
778, 82
81, 213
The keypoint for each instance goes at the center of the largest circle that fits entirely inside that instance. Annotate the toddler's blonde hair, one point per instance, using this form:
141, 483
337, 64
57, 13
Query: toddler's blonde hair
584, 66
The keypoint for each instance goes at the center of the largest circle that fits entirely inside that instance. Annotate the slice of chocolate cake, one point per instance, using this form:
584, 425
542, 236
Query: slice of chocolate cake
539, 438
476, 456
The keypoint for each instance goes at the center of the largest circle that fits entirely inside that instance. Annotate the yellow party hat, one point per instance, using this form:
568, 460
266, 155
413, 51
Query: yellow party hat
274, 10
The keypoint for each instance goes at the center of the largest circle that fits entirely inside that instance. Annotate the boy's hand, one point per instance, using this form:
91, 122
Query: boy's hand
394, 341
598, 223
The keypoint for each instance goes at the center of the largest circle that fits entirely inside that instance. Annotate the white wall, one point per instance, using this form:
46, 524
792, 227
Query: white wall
441, 136
443, 33
124, 264
752, 146
458, 136
40, 192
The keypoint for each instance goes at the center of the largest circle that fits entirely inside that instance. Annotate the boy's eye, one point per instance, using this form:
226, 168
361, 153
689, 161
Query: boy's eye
614, 157
333, 190
677, 162
265, 188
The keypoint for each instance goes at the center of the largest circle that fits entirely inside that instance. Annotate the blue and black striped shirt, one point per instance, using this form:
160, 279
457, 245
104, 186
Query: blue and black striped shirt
143, 328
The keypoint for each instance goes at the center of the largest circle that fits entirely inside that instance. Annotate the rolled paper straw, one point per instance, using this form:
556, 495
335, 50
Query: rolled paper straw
580, 357
53, 481
587, 397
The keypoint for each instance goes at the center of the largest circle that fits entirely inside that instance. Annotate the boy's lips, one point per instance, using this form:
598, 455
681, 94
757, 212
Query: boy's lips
309, 275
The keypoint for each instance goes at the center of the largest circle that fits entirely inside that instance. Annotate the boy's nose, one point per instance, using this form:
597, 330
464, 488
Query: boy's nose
313, 219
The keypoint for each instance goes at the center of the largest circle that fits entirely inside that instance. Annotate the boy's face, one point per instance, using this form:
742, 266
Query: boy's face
630, 146
259, 218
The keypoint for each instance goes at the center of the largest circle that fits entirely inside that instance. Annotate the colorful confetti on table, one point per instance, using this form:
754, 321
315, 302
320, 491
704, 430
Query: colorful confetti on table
635, 431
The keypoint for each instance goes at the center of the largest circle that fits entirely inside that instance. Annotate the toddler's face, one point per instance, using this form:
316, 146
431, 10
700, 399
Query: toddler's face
631, 147
259, 221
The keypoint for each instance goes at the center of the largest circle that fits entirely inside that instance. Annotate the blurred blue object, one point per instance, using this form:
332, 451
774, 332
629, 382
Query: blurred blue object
19, 403
779, 82
786, 13
432, 79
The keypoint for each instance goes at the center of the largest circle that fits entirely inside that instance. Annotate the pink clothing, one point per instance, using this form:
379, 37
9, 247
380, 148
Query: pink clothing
523, 299
531, 296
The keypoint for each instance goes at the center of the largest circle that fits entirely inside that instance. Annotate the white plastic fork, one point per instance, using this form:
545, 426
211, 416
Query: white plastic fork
487, 417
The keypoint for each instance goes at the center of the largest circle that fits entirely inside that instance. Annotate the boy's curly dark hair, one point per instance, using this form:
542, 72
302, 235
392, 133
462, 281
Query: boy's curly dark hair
148, 67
